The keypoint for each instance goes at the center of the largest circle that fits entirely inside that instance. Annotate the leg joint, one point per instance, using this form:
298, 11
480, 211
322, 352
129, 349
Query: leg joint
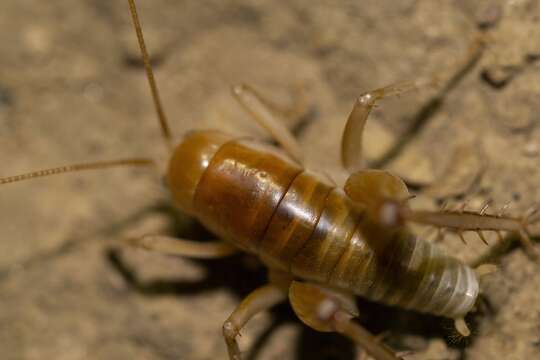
230, 331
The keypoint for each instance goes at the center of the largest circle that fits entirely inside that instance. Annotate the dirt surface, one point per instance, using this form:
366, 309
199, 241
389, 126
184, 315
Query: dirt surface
72, 89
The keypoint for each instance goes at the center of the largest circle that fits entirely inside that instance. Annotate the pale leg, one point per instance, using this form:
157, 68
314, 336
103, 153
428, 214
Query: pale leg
460, 221
174, 246
258, 301
268, 118
351, 142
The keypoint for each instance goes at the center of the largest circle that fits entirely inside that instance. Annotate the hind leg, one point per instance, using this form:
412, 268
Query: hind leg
328, 310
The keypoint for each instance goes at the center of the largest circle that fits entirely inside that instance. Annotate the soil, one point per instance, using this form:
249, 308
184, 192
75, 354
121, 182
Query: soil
72, 89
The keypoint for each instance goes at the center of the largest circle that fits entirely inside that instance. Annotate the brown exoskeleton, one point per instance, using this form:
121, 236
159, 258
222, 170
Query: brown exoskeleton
322, 244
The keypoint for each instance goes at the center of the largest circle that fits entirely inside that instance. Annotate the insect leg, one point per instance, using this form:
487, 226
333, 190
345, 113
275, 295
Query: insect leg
174, 246
351, 141
268, 118
460, 221
257, 301
329, 310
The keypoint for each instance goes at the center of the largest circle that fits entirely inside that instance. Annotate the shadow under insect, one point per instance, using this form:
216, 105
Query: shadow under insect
398, 326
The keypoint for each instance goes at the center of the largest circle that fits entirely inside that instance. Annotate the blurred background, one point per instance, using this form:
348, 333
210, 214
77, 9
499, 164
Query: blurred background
72, 89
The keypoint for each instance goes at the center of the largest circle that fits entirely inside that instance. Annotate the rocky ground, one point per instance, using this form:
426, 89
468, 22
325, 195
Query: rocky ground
72, 89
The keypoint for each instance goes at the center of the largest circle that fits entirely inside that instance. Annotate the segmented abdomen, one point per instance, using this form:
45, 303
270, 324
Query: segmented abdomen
256, 197
392, 266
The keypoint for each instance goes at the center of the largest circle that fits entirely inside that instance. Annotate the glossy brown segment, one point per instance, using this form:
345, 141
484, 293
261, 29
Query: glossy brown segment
189, 161
240, 190
329, 239
354, 265
294, 220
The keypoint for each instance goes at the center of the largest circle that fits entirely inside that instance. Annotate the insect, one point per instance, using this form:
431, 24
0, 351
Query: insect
262, 200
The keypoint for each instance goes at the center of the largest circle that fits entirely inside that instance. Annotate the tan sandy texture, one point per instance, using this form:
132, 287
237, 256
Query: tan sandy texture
72, 89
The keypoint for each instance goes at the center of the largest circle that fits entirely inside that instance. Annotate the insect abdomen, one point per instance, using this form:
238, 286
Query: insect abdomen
395, 267
256, 197
392, 266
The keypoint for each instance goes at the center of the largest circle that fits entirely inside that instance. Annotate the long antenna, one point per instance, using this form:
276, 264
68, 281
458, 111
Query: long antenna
77, 167
165, 130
